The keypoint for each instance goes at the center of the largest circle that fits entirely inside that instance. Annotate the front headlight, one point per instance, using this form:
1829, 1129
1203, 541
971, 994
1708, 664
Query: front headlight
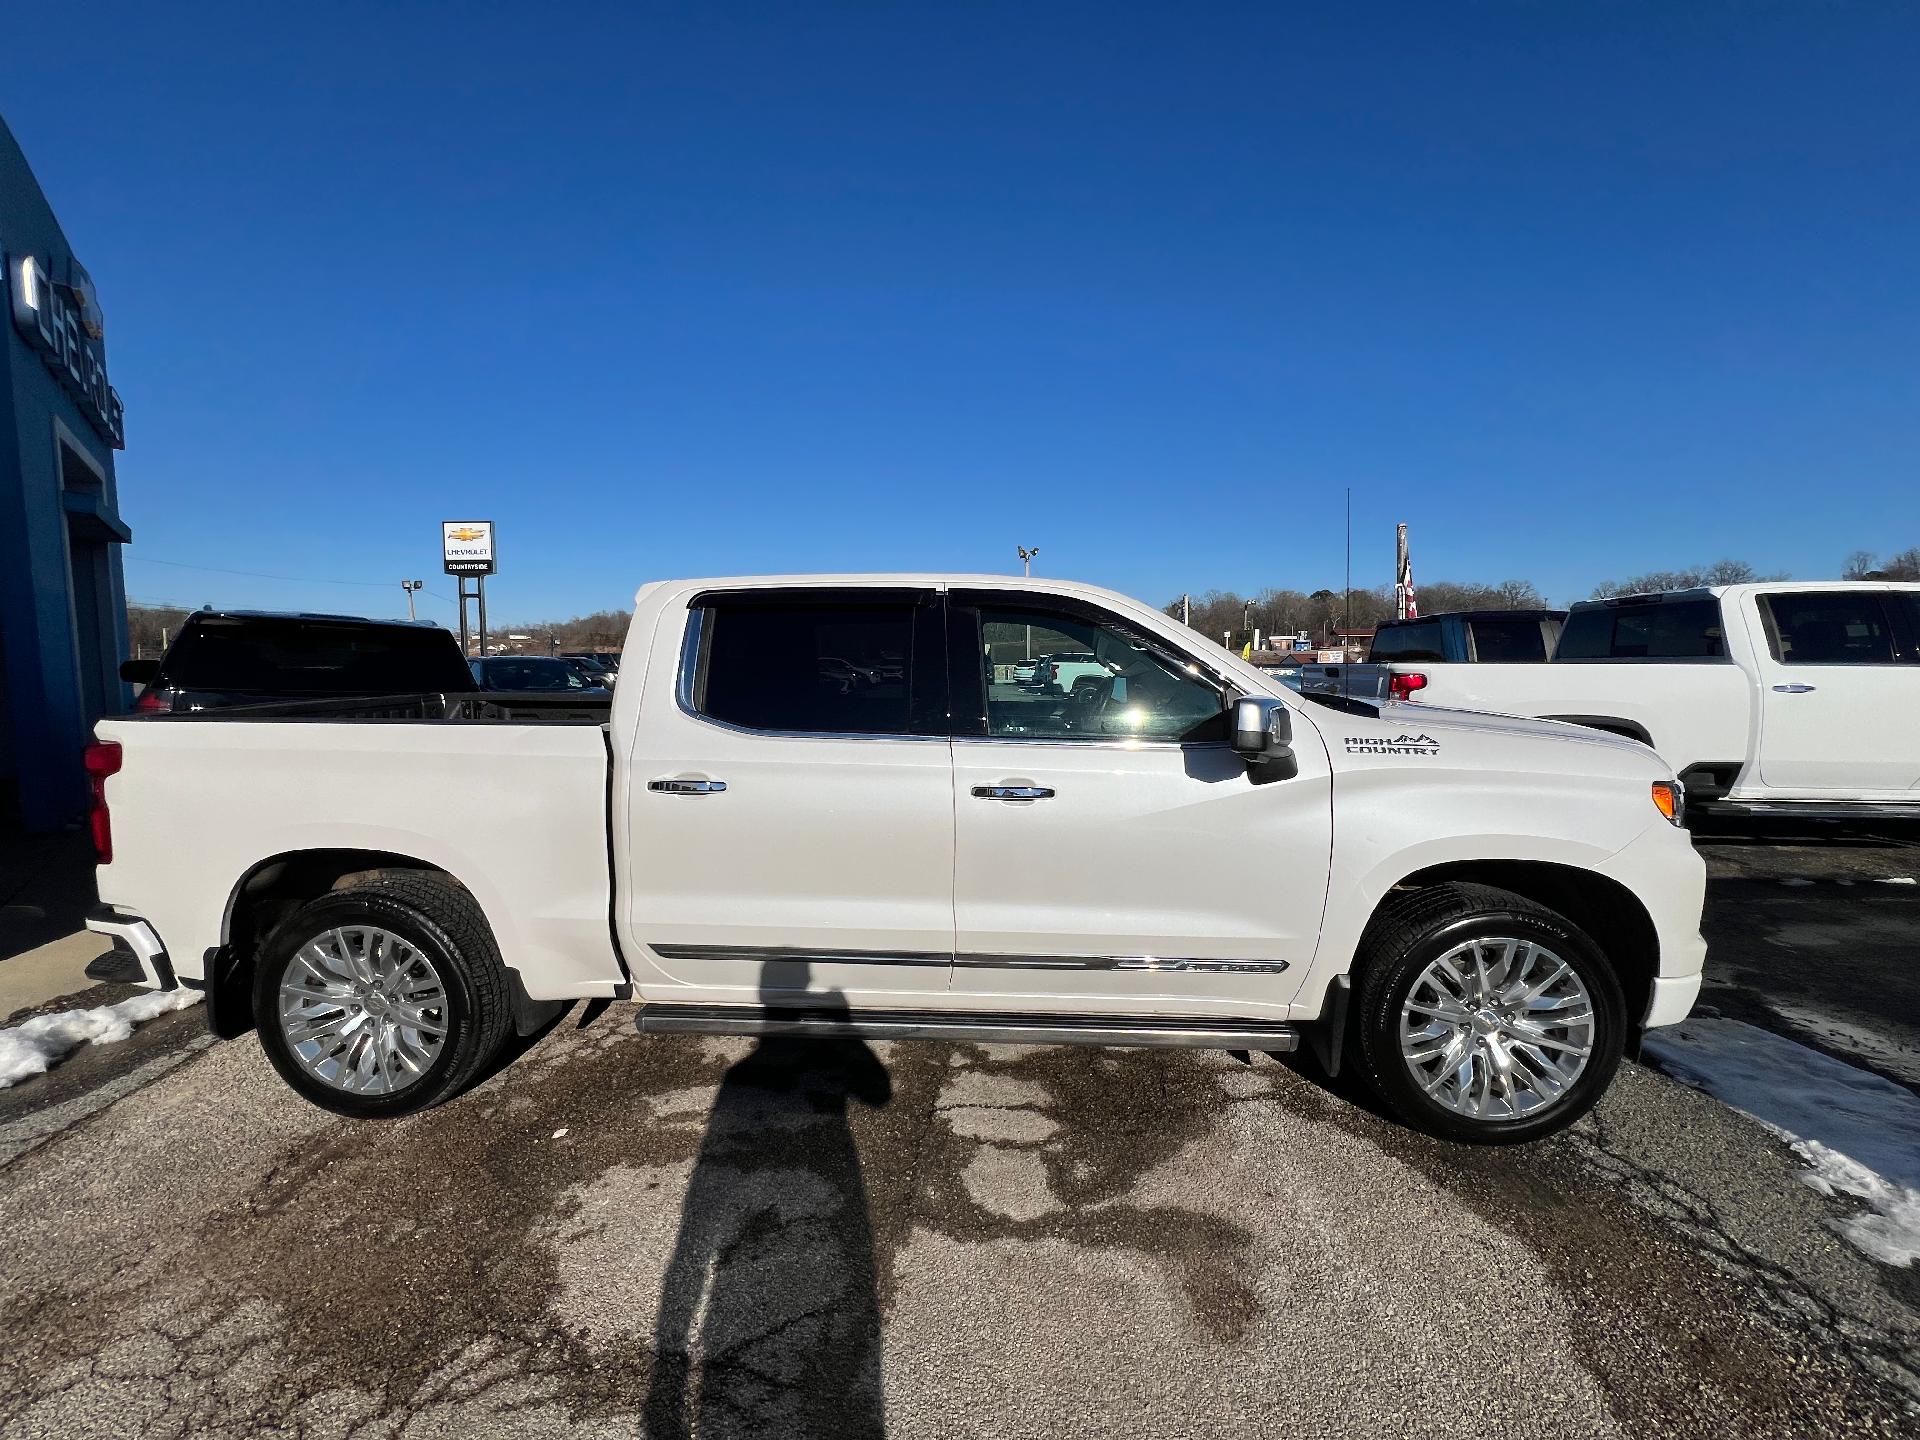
1670, 799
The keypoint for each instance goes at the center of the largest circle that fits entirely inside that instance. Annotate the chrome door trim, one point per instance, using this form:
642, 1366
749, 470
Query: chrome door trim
1175, 964
777, 954
774, 954
687, 787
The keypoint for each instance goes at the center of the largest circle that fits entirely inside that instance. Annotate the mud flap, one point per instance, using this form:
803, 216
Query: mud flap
1327, 1036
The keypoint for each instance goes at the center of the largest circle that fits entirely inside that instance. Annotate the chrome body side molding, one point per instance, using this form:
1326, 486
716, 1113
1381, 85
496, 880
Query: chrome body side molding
778, 953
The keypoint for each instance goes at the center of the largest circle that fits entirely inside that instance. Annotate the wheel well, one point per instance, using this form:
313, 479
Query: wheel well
1606, 910
1610, 724
267, 894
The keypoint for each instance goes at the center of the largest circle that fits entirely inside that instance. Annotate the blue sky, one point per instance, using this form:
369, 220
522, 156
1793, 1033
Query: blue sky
1575, 290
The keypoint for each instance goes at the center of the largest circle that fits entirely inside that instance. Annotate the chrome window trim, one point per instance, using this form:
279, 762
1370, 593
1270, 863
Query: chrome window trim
688, 678
1105, 742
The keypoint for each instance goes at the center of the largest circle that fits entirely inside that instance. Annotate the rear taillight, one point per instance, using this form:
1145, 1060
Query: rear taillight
148, 702
1053, 672
102, 759
1401, 687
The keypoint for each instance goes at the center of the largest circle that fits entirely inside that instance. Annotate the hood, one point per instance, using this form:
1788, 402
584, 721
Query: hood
1432, 737
1483, 722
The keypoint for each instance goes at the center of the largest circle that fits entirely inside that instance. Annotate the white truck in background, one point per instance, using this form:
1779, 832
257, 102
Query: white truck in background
745, 844
1774, 698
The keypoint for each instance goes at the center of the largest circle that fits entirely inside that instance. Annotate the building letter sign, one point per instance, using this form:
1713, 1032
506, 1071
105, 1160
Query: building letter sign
62, 322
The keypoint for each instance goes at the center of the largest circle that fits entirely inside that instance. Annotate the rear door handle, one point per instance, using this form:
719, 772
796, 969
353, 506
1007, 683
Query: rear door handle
1012, 792
687, 787
1793, 689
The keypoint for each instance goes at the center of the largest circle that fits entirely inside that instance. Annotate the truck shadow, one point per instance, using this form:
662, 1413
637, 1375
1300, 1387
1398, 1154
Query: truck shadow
769, 1316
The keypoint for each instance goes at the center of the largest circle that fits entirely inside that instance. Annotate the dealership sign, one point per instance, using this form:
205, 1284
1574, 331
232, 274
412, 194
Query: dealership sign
468, 545
61, 319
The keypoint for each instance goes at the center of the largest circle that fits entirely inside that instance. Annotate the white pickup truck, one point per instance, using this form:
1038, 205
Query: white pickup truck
751, 845
1775, 698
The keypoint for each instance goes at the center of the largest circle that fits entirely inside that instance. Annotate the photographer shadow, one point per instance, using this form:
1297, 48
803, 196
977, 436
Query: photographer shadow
769, 1317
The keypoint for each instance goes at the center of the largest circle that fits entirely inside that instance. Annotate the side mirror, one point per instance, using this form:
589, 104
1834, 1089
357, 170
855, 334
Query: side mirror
1262, 729
139, 672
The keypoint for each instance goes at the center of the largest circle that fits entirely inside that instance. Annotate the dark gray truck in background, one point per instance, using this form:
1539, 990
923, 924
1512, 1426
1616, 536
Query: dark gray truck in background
1494, 637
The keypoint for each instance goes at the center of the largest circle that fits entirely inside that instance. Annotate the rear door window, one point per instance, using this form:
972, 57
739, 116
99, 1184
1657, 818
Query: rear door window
1508, 642
1829, 627
1655, 630
844, 663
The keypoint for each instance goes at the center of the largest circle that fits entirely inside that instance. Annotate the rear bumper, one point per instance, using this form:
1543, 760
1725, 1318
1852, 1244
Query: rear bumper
140, 938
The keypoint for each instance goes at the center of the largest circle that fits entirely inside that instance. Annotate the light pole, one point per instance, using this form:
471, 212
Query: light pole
410, 586
1026, 558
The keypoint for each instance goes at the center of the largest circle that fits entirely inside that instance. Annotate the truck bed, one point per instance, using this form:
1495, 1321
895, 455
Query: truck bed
509, 795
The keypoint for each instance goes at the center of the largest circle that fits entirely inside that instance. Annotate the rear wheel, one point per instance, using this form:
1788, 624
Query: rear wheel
383, 998
1485, 1017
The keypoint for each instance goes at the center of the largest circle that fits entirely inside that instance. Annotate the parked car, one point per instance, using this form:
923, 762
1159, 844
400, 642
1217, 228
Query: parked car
1479, 913
1059, 672
591, 670
605, 659
1466, 637
245, 657
1024, 671
531, 672
1773, 698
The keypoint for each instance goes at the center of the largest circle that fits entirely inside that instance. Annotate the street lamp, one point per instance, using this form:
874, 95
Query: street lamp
410, 586
1026, 558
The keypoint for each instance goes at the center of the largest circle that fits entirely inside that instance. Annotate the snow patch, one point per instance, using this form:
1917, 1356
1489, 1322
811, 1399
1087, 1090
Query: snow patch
1858, 1133
33, 1046
1891, 1231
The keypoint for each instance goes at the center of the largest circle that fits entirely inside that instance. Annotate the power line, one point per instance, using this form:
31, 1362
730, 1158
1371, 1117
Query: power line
290, 579
255, 574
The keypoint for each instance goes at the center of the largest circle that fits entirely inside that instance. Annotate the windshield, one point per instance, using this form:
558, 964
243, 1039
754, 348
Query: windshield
274, 655
516, 673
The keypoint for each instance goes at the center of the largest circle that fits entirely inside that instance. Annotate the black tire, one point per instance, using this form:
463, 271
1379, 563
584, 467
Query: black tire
1415, 928
441, 920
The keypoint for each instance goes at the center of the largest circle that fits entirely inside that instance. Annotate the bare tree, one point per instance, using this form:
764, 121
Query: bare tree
1720, 572
1862, 565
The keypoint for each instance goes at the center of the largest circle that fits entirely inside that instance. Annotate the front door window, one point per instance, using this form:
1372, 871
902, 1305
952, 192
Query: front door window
1089, 679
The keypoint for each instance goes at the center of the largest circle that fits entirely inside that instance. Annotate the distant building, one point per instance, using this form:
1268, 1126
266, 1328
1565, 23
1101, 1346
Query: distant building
63, 626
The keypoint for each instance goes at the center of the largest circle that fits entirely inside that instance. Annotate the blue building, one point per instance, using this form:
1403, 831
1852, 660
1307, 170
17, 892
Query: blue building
63, 610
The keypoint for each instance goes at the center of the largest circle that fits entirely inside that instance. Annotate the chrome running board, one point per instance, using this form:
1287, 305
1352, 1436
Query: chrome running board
983, 1028
1817, 809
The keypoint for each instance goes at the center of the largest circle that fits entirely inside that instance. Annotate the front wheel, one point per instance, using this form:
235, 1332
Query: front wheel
1484, 1017
384, 997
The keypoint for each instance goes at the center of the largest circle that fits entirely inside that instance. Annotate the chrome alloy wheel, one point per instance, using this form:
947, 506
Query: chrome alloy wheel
1497, 1028
362, 1010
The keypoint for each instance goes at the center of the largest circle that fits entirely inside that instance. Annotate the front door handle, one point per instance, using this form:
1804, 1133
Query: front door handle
687, 787
1793, 689
1012, 792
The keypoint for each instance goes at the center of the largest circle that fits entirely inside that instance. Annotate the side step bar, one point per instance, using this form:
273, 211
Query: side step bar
1817, 809
982, 1028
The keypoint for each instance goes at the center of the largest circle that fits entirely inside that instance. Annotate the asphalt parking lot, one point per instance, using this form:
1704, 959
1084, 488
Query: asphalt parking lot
619, 1236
